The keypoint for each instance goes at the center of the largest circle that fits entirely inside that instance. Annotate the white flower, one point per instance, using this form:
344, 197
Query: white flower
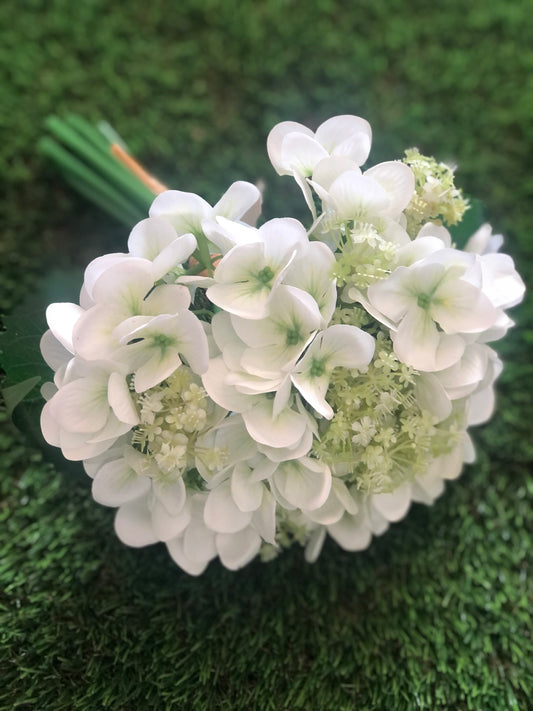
304, 483
438, 290
295, 150
152, 346
186, 211
193, 548
121, 291
311, 272
90, 411
381, 193
501, 282
483, 241
338, 345
233, 435
273, 344
247, 276
156, 239
286, 428
364, 431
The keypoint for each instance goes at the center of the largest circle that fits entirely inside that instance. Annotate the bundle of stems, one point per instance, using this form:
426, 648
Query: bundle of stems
97, 163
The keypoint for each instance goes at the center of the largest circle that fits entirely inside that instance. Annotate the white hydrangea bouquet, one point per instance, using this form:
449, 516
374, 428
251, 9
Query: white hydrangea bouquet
233, 389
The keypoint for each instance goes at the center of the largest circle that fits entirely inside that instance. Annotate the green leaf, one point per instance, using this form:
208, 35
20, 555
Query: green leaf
14, 394
20, 353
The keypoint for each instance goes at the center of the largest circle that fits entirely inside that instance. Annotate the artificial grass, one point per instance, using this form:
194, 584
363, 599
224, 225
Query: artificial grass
436, 614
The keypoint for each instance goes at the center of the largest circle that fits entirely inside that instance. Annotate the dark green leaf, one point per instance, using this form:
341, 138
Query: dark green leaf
14, 394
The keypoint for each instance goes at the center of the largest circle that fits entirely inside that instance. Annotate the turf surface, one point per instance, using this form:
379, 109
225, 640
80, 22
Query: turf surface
436, 614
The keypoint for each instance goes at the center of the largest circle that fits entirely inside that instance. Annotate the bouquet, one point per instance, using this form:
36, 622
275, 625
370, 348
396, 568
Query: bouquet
234, 389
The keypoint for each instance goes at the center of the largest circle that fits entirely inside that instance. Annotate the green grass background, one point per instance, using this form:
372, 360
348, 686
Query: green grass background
436, 614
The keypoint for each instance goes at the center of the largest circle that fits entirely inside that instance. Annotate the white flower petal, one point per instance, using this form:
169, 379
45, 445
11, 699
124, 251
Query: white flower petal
167, 299
329, 169
392, 296
246, 493
346, 346
167, 526
481, 406
226, 234
116, 483
237, 549
264, 518
314, 544
53, 352
93, 335
282, 454
281, 236
416, 341
96, 268
61, 319
242, 298
438, 231
300, 153
199, 541
185, 211
311, 271
352, 533
174, 255
349, 136
483, 241
133, 524
313, 390
214, 381
158, 367
221, 513
275, 141
150, 237
462, 378
124, 285
191, 565
81, 406
120, 400
112, 429
399, 182
50, 427
172, 494
432, 397
330, 512
356, 197
394, 505
304, 483
284, 430
74, 446
428, 487
241, 199
117, 451
344, 495
501, 282
460, 307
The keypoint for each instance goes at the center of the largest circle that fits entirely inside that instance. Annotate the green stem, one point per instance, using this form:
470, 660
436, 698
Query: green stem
202, 254
106, 164
81, 175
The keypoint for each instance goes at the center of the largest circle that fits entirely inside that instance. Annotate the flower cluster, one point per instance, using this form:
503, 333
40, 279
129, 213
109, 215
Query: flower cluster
232, 389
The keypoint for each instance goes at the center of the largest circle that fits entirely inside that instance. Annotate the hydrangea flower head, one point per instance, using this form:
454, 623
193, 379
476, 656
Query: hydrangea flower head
314, 380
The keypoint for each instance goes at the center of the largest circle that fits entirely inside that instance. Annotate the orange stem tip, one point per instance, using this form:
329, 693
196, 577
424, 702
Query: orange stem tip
136, 168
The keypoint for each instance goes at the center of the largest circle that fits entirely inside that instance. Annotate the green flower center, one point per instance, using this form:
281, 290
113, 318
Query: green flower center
265, 276
318, 368
292, 337
424, 301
